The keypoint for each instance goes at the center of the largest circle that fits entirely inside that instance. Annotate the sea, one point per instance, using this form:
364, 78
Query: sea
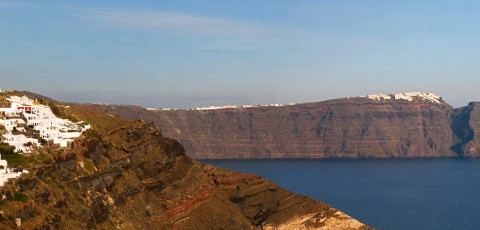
392, 194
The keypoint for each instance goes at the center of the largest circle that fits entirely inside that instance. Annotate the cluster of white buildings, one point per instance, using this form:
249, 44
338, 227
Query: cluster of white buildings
236, 107
25, 112
406, 96
220, 107
7, 173
160, 109
409, 96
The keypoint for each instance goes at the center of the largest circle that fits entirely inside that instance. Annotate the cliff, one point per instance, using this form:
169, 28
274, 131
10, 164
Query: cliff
466, 126
375, 126
124, 174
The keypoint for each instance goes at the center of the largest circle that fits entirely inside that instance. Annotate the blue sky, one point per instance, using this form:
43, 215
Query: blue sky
190, 53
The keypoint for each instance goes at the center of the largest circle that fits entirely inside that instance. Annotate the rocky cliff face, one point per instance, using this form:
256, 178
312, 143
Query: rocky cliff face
126, 175
466, 126
364, 127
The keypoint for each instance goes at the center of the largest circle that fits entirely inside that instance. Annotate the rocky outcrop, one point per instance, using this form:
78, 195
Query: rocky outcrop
466, 126
377, 126
126, 175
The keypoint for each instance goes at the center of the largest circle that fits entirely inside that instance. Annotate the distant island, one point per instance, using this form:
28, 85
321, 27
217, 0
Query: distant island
400, 125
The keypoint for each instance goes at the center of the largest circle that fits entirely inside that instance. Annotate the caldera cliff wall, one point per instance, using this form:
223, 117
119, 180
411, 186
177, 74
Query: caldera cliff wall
341, 128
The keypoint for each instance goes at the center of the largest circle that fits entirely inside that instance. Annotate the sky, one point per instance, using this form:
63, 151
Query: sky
194, 53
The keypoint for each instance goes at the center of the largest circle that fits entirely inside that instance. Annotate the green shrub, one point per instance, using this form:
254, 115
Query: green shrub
19, 197
91, 133
15, 159
6, 149
60, 112
89, 165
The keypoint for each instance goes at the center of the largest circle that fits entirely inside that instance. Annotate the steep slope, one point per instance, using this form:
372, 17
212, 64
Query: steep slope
374, 126
126, 175
466, 126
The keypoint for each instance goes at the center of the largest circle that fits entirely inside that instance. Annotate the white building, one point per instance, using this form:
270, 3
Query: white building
7, 173
42, 119
9, 124
20, 142
11, 112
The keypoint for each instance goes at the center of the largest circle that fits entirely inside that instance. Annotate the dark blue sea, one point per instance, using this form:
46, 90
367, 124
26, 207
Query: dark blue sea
442, 193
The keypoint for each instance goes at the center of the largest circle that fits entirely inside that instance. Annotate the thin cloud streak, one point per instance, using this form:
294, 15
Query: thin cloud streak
15, 5
241, 35
180, 23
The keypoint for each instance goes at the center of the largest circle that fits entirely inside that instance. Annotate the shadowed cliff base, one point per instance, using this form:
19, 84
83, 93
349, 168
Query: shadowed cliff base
461, 127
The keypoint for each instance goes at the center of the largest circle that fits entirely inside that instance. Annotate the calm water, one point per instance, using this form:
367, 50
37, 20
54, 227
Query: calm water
386, 194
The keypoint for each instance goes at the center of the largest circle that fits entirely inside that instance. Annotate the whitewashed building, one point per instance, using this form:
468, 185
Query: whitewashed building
42, 119
20, 142
7, 173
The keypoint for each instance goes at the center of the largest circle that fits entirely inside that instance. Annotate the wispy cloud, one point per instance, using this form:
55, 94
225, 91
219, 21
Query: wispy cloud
180, 23
171, 22
14, 5
241, 35
4, 4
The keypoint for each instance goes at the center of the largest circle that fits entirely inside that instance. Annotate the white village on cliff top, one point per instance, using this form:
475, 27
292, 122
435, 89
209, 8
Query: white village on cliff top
26, 123
406, 96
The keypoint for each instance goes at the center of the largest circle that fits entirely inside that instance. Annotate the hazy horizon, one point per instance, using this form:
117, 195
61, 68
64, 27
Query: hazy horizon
84, 98
192, 53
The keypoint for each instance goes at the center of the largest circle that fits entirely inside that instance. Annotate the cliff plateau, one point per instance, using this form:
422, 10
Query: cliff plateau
373, 126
